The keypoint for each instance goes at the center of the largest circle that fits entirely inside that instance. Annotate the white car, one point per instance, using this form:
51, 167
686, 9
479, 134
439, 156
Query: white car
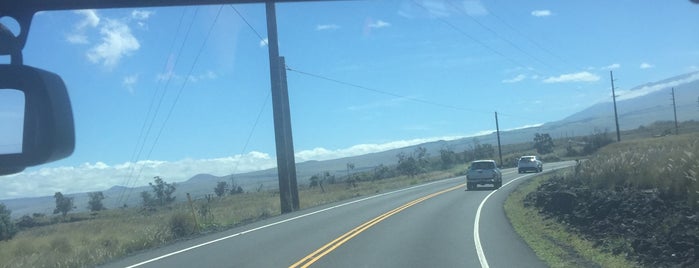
529, 163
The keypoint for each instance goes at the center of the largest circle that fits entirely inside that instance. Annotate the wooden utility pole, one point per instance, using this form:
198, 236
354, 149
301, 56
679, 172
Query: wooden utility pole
497, 129
616, 116
286, 165
674, 109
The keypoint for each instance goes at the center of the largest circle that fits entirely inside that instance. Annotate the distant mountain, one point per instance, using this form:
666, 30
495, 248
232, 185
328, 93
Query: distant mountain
654, 106
633, 112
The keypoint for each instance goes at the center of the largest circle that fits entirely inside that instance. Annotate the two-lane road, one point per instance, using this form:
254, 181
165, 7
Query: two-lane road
429, 225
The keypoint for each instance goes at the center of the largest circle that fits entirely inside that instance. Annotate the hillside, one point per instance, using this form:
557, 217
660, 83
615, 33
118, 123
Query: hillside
633, 112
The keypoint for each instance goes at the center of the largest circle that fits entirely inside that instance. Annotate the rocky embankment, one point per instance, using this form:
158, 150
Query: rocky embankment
647, 227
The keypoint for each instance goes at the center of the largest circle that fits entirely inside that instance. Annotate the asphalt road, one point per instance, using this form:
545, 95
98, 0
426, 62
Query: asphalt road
437, 224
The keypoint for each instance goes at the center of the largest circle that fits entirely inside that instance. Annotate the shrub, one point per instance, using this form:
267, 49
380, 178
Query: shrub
7, 226
182, 225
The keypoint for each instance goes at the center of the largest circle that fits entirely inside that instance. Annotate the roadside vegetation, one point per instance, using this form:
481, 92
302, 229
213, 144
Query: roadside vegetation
637, 199
84, 239
551, 240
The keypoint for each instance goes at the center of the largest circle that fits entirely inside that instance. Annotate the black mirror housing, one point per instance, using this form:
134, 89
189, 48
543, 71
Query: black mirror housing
49, 132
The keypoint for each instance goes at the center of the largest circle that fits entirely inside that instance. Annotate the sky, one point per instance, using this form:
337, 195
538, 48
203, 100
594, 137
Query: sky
179, 91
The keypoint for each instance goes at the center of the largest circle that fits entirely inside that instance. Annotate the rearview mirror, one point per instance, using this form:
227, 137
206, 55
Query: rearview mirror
36, 119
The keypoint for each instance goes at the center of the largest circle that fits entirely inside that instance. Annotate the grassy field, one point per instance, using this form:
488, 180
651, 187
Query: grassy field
118, 232
667, 165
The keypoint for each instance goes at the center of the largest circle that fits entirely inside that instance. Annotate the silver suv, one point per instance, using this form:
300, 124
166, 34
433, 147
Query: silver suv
529, 163
483, 172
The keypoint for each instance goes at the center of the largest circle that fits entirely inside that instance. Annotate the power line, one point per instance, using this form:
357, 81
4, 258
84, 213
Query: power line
447, 106
531, 40
500, 36
457, 29
179, 92
249, 25
143, 137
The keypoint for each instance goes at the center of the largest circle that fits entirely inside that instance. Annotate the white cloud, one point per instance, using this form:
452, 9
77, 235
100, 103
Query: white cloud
515, 79
101, 176
474, 8
573, 77
327, 27
141, 14
646, 65
166, 76
612, 66
378, 24
424, 8
541, 13
441, 8
264, 42
645, 90
129, 81
77, 38
117, 42
525, 126
90, 19
208, 75
360, 149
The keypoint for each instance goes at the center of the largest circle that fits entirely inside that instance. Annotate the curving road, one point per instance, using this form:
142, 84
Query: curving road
437, 224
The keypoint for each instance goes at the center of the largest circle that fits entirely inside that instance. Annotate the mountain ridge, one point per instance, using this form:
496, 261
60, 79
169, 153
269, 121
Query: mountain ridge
633, 112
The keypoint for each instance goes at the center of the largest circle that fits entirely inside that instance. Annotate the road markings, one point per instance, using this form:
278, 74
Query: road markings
329, 247
476, 225
284, 221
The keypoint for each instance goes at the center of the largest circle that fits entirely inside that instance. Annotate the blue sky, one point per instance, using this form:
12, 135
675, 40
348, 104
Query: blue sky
447, 66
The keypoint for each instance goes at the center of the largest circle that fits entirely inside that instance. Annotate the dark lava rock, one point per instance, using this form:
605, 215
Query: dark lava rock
659, 232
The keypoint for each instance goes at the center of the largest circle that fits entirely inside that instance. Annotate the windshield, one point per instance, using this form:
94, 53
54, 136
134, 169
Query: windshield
526, 159
200, 119
483, 165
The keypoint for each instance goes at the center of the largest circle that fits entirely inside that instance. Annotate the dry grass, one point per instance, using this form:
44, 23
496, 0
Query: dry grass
668, 164
119, 232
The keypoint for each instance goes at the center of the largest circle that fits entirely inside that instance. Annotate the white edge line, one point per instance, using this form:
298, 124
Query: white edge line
288, 220
476, 235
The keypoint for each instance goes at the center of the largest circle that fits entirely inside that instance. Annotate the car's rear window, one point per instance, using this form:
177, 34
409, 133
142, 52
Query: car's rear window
526, 159
483, 165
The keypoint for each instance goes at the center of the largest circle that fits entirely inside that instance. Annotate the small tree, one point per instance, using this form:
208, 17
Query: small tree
221, 188
163, 191
63, 204
147, 199
543, 143
351, 180
382, 172
95, 203
448, 157
235, 188
407, 165
8, 229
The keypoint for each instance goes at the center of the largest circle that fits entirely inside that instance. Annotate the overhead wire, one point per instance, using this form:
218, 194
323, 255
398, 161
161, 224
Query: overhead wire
179, 92
527, 37
481, 43
520, 49
143, 134
383, 92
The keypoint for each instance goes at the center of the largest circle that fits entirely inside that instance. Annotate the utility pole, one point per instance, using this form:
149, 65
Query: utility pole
497, 128
616, 116
282, 122
289, 143
674, 109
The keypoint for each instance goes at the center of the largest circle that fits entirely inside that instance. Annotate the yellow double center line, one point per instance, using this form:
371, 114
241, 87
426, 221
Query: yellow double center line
329, 247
